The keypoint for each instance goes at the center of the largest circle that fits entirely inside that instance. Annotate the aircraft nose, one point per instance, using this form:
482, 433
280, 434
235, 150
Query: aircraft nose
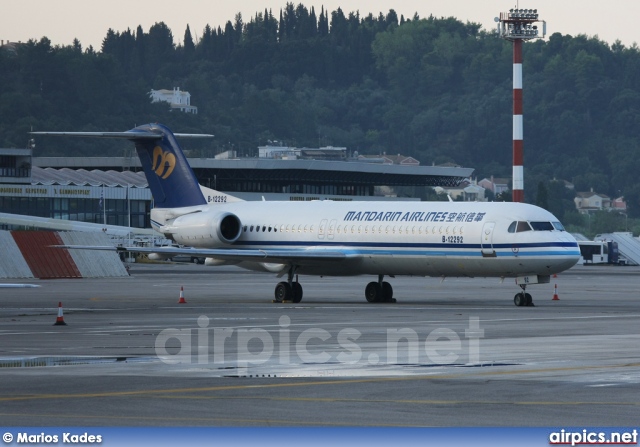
567, 237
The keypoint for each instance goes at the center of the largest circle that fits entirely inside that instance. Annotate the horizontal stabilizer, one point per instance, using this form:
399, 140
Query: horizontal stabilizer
137, 135
171, 180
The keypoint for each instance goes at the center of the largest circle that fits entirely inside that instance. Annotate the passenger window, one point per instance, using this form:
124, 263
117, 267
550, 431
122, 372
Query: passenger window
251, 229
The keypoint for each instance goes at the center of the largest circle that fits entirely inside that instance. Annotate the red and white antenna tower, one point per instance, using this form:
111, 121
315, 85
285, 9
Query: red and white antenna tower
518, 25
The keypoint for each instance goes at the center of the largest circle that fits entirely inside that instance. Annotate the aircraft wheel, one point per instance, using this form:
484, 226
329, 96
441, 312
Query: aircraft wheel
283, 292
528, 299
387, 292
520, 299
297, 292
373, 292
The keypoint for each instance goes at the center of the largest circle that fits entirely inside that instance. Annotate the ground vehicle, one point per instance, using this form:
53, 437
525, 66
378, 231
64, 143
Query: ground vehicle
600, 252
187, 258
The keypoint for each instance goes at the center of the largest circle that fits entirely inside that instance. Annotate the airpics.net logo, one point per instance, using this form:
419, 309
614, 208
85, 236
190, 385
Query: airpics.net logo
286, 345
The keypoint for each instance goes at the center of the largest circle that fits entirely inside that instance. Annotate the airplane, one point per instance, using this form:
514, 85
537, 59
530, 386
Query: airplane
334, 238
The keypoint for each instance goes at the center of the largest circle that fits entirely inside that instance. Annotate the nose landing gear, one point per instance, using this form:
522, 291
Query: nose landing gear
523, 298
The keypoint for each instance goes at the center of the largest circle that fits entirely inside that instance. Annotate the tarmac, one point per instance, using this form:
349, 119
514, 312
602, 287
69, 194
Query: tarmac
452, 352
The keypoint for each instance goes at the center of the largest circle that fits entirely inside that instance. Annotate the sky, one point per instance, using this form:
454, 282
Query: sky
88, 20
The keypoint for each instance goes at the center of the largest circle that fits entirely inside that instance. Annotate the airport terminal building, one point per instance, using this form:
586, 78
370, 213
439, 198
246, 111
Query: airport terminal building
114, 191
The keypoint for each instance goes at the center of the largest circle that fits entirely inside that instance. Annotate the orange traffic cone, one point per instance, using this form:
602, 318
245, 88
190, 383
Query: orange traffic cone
181, 300
555, 293
60, 319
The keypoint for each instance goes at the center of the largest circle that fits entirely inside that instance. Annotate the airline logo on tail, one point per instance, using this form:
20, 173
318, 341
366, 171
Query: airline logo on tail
164, 162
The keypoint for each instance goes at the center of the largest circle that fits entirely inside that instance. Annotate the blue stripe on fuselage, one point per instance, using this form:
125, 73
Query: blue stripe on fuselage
316, 243
413, 249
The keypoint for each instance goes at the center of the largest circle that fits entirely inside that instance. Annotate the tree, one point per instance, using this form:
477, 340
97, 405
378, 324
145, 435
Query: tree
432, 88
188, 45
542, 197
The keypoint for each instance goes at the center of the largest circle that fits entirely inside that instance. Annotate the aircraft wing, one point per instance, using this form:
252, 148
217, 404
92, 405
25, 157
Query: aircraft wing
305, 256
71, 225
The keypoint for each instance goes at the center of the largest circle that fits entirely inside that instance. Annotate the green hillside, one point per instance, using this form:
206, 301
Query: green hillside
432, 88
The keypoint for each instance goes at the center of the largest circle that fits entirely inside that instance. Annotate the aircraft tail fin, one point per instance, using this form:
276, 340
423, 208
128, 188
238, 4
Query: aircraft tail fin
172, 182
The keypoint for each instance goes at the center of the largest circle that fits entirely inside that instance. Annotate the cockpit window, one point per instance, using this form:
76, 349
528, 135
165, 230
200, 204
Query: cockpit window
542, 226
523, 226
519, 227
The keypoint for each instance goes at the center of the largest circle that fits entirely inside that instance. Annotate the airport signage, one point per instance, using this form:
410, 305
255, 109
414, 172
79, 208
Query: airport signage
72, 191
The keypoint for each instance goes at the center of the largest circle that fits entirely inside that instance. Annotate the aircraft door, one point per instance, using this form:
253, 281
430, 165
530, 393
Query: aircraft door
332, 227
486, 242
322, 228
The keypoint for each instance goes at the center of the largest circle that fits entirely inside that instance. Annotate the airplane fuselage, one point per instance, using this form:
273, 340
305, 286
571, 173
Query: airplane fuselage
394, 238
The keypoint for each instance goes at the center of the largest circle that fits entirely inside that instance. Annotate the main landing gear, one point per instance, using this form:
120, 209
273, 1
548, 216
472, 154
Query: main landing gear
380, 291
289, 290
523, 298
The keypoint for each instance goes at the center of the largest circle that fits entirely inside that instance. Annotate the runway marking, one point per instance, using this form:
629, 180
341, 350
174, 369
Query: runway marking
125, 328
119, 327
284, 422
50, 416
604, 385
310, 383
402, 401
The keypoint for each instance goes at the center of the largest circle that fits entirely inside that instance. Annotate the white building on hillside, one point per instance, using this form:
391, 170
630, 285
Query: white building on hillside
178, 100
